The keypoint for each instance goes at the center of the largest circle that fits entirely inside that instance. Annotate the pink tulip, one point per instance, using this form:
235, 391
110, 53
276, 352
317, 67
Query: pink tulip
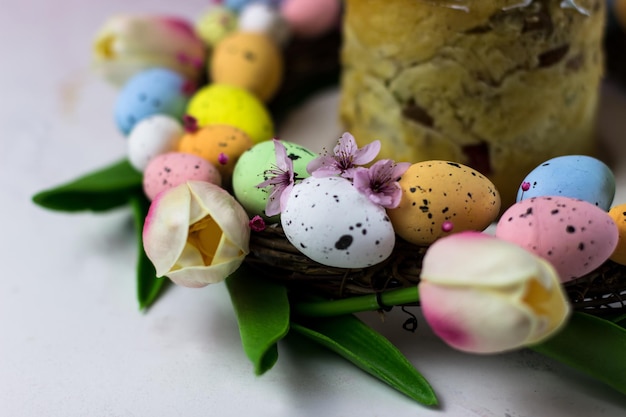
481, 294
196, 234
126, 45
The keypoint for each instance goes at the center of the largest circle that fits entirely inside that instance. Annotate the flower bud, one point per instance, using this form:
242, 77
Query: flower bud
126, 45
481, 294
196, 234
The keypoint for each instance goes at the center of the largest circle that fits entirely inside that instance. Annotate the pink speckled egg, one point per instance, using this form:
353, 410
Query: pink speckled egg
174, 168
308, 18
574, 235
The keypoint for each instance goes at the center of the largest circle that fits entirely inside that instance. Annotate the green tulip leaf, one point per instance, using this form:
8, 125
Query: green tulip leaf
101, 190
262, 310
149, 287
592, 345
369, 350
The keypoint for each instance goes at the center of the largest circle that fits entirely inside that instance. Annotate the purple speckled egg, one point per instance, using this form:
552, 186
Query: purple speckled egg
174, 168
574, 235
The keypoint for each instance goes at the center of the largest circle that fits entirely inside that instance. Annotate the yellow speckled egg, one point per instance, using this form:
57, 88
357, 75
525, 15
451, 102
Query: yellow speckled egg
248, 60
618, 214
228, 105
221, 145
439, 198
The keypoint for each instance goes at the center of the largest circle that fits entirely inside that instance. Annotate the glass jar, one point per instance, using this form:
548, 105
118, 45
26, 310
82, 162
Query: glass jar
500, 85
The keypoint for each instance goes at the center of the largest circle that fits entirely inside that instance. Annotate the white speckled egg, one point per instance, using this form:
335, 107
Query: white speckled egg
573, 235
332, 223
152, 136
442, 197
575, 176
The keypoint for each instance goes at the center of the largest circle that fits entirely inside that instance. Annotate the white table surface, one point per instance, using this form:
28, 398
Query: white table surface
72, 342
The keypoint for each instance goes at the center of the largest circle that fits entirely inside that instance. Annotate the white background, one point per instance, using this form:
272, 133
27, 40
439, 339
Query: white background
72, 342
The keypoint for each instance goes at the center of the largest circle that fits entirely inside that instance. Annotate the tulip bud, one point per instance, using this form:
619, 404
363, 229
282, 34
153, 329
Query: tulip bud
126, 45
481, 294
196, 234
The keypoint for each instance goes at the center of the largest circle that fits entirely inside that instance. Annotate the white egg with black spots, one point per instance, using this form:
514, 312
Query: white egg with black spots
331, 222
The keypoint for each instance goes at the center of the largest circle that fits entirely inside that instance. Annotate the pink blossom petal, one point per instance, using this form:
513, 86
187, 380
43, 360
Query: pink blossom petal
366, 154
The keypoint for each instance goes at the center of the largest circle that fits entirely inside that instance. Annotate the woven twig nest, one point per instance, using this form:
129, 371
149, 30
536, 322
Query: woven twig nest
601, 292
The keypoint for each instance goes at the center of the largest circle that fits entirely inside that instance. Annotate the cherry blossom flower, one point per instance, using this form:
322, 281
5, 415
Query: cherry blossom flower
380, 182
346, 157
481, 294
281, 178
196, 234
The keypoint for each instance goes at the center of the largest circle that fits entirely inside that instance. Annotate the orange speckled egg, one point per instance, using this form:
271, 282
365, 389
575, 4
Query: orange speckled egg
441, 197
221, 145
618, 214
248, 60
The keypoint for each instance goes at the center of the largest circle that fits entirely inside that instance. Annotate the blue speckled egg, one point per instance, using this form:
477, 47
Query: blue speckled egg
238, 5
574, 176
332, 223
150, 92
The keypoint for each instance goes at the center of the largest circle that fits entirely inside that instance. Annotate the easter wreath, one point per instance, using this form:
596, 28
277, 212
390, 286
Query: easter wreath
276, 288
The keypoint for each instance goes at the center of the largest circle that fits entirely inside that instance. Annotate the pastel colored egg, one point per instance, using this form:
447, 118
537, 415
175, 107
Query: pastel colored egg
239, 5
150, 92
575, 236
575, 176
309, 19
215, 24
441, 197
221, 104
152, 136
332, 223
221, 145
250, 171
248, 60
263, 18
174, 168
618, 214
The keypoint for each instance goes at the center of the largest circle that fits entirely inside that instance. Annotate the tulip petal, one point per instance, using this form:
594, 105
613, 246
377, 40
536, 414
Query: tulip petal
225, 210
166, 226
476, 254
475, 321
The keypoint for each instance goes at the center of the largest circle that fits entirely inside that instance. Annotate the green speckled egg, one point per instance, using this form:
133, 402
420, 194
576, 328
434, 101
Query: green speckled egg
441, 197
250, 171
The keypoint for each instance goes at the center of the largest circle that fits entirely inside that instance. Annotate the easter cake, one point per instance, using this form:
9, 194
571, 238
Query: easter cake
499, 85
445, 139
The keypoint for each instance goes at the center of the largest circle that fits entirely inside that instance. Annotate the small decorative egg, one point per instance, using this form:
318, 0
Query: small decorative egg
264, 18
441, 197
575, 176
221, 145
250, 171
309, 19
153, 91
618, 214
575, 236
174, 168
221, 104
331, 222
248, 60
215, 24
152, 136
239, 5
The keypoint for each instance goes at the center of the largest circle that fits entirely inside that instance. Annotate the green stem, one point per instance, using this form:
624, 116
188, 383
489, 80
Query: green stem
370, 302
